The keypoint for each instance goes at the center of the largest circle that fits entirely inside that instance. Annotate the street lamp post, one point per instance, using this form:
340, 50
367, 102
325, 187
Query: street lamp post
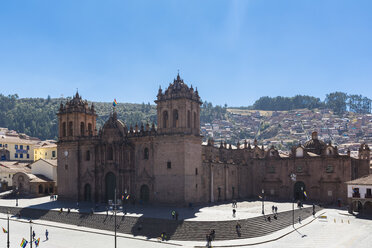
293, 178
30, 233
263, 196
114, 207
8, 242
16, 196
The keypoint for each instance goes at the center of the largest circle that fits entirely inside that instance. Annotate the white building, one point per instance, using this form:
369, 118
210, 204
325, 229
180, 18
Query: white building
359, 193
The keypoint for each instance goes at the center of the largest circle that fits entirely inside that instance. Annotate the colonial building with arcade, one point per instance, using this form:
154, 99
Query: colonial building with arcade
169, 164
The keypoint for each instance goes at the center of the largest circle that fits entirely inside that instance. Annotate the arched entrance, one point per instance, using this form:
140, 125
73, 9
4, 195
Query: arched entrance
145, 193
298, 190
110, 182
87, 192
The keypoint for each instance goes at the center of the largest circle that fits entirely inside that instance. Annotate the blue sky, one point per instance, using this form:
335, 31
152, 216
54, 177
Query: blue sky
233, 51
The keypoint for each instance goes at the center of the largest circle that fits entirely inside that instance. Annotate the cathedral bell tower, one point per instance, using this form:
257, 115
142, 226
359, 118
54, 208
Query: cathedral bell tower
76, 119
178, 109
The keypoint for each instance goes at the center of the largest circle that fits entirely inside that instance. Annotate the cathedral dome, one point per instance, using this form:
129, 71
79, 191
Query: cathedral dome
314, 145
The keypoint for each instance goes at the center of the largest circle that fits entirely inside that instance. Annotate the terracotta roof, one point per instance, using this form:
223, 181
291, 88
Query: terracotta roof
366, 180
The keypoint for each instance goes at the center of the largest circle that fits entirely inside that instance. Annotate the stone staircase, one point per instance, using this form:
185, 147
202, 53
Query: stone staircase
176, 230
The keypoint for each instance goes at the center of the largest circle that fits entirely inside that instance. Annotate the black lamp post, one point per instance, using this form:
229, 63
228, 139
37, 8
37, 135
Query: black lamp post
114, 207
30, 233
263, 198
293, 178
16, 196
8, 242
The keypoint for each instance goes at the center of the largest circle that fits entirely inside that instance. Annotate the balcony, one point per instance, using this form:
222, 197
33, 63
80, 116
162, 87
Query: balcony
368, 196
356, 195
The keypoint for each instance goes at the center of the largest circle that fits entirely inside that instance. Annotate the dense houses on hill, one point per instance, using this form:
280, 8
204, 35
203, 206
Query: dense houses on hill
286, 128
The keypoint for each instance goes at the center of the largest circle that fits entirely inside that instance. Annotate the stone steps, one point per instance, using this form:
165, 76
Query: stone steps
177, 230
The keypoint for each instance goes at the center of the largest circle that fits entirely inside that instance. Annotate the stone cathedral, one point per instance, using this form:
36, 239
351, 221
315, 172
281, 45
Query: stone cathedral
169, 164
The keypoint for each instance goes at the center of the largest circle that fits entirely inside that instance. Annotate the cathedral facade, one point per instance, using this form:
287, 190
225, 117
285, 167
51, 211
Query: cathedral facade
169, 164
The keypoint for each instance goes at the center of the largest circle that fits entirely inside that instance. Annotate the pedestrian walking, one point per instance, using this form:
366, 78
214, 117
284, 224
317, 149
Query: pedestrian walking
208, 238
176, 215
46, 234
299, 219
33, 235
269, 219
68, 210
234, 212
106, 211
273, 208
213, 234
275, 216
173, 214
238, 227
276, 209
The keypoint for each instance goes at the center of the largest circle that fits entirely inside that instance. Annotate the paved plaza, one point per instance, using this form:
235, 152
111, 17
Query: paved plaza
336, 228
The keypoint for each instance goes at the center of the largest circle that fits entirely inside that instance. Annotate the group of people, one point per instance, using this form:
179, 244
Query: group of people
53, 197
46, 235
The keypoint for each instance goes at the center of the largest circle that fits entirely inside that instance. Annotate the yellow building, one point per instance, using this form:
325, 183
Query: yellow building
45, 150
14, 146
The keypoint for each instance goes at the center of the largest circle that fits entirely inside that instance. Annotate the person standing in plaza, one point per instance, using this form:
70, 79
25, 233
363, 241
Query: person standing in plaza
46, 234
234, 212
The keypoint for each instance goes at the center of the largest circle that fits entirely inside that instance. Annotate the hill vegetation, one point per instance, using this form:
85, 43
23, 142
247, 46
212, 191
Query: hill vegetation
37, 116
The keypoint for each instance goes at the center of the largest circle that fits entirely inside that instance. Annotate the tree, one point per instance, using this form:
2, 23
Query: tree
336, 101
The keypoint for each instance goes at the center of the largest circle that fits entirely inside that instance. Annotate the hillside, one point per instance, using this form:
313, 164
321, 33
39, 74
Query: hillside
37, 116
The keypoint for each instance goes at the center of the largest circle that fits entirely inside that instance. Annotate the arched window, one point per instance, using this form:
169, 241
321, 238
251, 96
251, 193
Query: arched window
87, 156
90, 132
194, 119
70, 128
175, 118
146, 153
110, 153
188, 119
165, 119
64, 129
82, 129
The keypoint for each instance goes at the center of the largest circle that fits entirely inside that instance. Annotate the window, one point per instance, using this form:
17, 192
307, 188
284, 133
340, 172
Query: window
329, 169
1, 145
21, 147
28, 155
53, 154
9, 175
21, 155
165, 119
110, 153
219, 193
82, 129
15, 146
46, 154
196, 171
90, 129
175, 118
87, 156
233, 192
16, 155
6, 145
28, 147
169, 165
64, 129
70, 128
146, 153
369, 193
